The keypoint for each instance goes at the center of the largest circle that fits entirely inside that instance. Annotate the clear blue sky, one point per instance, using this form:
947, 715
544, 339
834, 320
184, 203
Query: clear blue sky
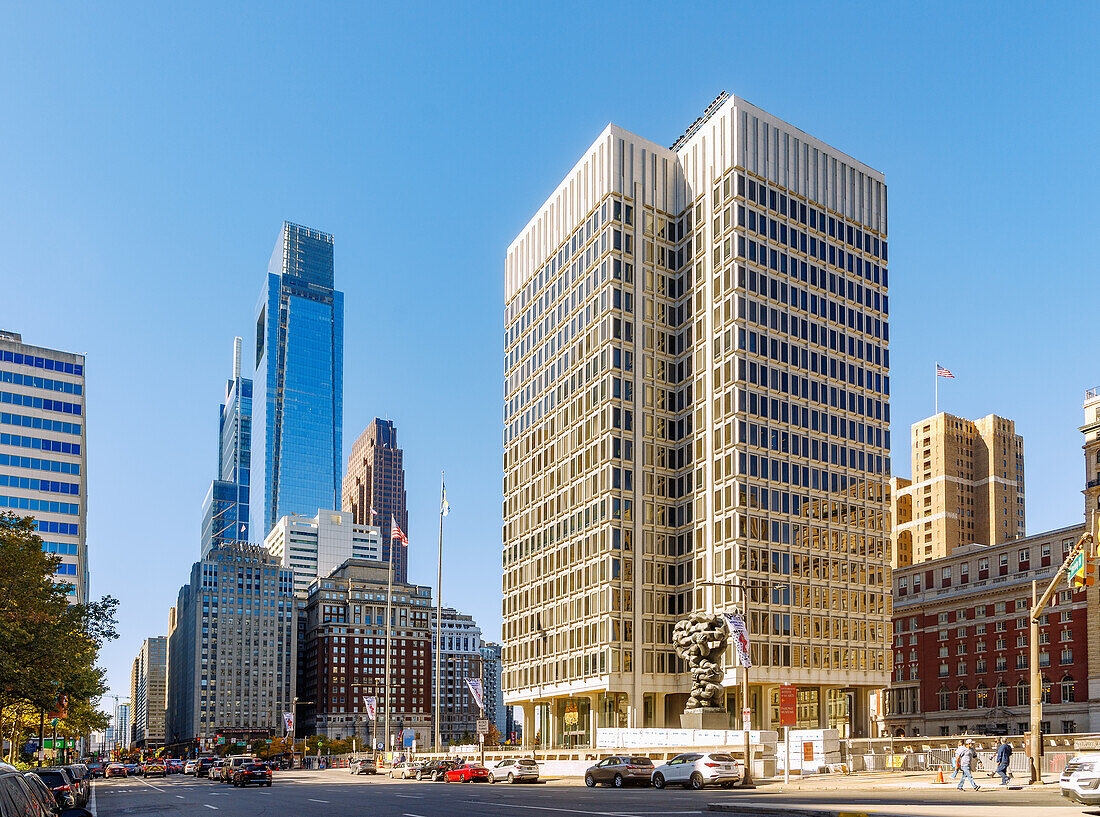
150, 151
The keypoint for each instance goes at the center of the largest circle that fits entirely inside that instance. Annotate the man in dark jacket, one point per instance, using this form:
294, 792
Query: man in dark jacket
1004, 754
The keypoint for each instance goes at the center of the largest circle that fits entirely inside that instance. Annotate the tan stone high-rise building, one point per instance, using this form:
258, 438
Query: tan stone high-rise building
967, 488
696, 418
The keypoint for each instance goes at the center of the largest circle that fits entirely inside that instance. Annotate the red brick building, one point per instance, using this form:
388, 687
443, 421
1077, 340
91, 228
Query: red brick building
342, 655
960, 641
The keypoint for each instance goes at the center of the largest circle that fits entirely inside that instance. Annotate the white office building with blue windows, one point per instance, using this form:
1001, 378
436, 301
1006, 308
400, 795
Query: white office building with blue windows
43, 455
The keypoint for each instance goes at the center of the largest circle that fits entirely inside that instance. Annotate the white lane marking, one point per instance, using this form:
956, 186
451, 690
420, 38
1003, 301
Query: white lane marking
180, 796
150, 785
408, 814
571, 810
207, 805
316, 801
91, 802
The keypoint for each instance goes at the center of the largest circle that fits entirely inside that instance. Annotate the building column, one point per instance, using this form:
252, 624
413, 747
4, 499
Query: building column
529, 727
593, 721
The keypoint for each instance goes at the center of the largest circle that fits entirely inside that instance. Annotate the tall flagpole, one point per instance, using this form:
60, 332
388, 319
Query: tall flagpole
439, 615
936, 380
389, 633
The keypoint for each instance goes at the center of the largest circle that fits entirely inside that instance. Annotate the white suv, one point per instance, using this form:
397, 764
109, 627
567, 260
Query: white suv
515, 770
1080, 779
696, 770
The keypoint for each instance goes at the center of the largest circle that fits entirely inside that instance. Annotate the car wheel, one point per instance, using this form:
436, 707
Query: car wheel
492, 779
589, 781
511, 778
658, 781
435, 777
697, 781
419, 776
618, 781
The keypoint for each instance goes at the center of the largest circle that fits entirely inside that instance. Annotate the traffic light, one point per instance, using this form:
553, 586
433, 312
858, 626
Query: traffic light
1082, 570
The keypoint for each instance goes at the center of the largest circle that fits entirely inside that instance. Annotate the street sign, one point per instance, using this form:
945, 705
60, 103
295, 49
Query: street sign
788, 705
483, 726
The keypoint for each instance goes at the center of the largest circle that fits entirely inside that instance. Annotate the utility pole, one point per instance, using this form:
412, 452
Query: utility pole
1077, 560
479, 662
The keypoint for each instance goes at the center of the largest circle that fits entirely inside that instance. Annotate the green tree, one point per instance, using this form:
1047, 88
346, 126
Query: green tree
48, 647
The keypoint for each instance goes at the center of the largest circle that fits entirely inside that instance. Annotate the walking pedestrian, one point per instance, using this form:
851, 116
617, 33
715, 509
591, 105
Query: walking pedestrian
967, 757
1004, 754
955, 761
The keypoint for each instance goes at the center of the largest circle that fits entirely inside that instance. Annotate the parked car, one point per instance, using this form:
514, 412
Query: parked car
79, 773
435, 769
114, 770
515, 770
65, 789
1079, 779
23, 794
190, 766
466, 773
696, 770
363, 765
251, 772
405, 770
619, 771
95, 768
204, 766
154, 770
40, 792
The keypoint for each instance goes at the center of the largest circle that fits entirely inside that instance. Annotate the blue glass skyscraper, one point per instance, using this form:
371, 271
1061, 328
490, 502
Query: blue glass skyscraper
299, 382
225, 508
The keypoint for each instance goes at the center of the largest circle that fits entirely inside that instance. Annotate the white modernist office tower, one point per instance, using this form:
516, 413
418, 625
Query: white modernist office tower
696, 390
313, 548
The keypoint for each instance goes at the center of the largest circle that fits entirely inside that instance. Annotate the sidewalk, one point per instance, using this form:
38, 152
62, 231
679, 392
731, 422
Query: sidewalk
881, 781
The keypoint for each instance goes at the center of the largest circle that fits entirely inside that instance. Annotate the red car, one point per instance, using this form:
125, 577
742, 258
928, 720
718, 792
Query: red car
466, 773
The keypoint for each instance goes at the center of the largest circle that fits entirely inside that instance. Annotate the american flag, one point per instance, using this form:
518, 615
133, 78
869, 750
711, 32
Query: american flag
396, 534
942, 372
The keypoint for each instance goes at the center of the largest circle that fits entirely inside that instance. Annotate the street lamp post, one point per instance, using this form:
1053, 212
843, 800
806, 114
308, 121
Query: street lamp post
746, 721
479, 661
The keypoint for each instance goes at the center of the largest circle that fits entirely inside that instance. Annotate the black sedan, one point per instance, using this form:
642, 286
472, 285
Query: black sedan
251, 773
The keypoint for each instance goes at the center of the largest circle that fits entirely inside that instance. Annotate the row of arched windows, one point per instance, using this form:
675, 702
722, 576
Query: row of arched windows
983, 696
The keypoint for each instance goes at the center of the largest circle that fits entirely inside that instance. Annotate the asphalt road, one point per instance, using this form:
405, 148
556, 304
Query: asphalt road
336, 793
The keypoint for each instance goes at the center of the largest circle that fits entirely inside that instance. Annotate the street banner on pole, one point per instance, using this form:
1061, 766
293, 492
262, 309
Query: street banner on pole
740, 635
288, 722
371, 702
475, 689
788, 705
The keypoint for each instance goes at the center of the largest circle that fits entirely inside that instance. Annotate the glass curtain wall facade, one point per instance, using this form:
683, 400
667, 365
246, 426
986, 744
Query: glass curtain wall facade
225, 508
298, 383
696, 390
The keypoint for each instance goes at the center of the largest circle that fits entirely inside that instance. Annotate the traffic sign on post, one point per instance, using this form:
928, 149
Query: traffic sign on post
483, 726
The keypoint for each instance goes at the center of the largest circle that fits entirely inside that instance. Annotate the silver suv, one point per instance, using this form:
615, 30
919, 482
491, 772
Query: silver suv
696, 770
515, 770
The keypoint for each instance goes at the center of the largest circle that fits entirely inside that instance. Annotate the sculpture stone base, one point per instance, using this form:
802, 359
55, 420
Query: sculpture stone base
705, 719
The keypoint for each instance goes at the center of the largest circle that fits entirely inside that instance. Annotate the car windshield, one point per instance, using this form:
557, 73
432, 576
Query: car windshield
527, 762
639, 761
53, 778
722, 758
